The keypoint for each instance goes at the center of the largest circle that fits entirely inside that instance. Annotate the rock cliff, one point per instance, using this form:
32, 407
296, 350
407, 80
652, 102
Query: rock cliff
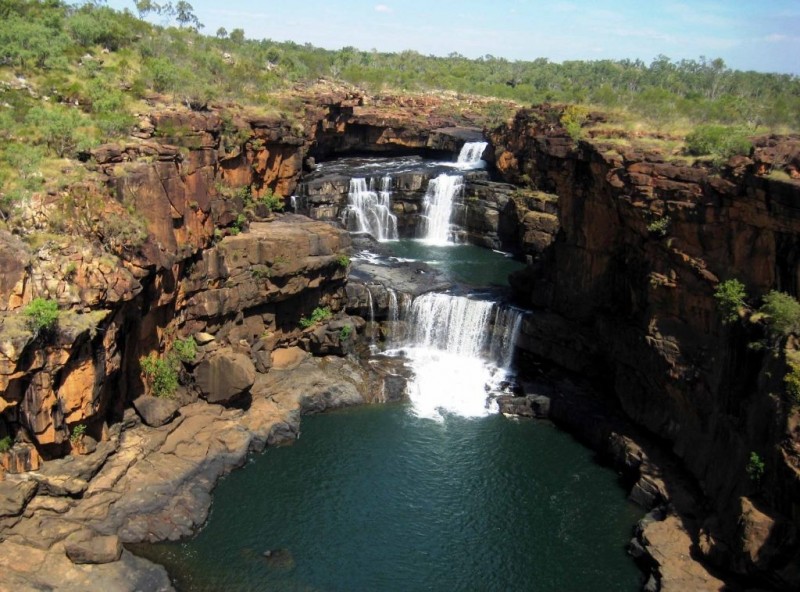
626, 294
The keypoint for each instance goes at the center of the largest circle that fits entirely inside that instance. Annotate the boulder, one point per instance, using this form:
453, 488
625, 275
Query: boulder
14, 496
156, 411
88, 547
225, 376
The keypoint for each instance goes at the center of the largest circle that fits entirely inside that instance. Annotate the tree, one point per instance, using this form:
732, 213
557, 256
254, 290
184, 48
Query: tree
730, 296
57, 127
783, 313
222, 32
184, 14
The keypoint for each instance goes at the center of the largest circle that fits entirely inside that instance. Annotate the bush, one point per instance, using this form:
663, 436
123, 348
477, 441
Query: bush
42, 314
345, 332
274, 203
77, 433
343, 260
319, 315
660, 226
185, 349
730, 297
6, 443
719, 141
755, 468
573, 119
792, 381
161, 375
783, 313
57, 127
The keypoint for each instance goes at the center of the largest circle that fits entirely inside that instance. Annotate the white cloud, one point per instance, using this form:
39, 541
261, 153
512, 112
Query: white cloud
382, 8
775, 37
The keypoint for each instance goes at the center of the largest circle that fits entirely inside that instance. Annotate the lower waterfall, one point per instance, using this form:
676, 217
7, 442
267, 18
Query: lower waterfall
459, 348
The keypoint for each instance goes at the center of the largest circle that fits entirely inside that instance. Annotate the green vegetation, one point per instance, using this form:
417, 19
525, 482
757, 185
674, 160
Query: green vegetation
719, 141
343, 260
75, 75
78, 432
345, 332
319, 315
42, 314
730, 296
782, 313
161, 374
273, 203
792, 381
185, 349
755, 468
659, 226
573, 118
5, 444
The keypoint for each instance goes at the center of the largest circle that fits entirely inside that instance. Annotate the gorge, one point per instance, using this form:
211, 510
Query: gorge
625, 347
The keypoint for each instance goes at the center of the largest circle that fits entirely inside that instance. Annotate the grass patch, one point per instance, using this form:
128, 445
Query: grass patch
317, 316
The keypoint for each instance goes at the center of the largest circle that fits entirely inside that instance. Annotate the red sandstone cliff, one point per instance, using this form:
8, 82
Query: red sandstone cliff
634, 307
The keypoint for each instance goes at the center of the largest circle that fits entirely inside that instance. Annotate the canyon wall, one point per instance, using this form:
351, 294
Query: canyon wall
626, 295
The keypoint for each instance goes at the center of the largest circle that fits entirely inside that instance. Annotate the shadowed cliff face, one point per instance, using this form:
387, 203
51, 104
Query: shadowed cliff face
626, 294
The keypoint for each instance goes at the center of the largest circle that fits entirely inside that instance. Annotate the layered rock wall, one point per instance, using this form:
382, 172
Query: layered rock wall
626, 294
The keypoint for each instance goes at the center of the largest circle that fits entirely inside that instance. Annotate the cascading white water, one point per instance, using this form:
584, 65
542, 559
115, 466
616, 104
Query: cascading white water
506, 326
470, 155
438, 206
370, 210
457, 346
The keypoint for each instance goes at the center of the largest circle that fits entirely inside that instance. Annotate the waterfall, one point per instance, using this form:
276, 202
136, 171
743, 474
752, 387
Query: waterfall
438, 206
370, 210
459, 348
470, 155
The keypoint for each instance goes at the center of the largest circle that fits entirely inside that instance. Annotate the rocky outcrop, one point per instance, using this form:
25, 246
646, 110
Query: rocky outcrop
626, 293
149, 484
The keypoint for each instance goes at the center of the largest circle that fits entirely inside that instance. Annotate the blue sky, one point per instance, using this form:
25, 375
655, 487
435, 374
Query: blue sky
748, 34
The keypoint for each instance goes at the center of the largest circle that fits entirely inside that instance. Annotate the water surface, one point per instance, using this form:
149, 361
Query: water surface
377, 499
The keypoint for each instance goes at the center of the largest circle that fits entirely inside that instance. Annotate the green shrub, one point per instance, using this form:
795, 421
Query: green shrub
660, 226
345, 332
730, 296
57, 127
274, 203
77, 433
319, 315
42, 314
718, 140
185, 349
755, 468
6, 443
343, 260
782, 312
161, 374
573, 118
792, 381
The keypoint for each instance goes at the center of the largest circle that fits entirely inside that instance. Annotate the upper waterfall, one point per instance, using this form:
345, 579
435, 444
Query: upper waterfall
370, 210
438, 205
470, 155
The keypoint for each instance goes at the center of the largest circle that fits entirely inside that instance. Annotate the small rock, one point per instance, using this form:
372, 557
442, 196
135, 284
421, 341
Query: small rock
203, 338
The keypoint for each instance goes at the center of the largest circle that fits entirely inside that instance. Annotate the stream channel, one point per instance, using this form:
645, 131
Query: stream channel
437, 493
